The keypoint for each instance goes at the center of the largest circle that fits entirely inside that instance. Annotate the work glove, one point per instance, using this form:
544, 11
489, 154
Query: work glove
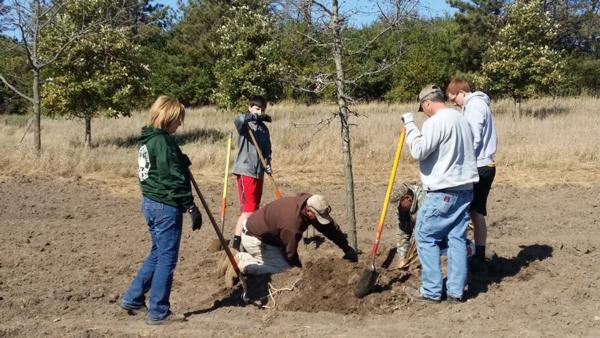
264, 118
295, 261
186, 160
350, 255
196, 217
408, 118
269, 170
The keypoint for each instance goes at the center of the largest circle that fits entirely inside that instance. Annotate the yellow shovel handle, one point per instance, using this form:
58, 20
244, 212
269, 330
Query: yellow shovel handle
388, 192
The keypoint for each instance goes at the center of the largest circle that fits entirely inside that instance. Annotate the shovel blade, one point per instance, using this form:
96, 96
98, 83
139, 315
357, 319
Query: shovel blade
366, 282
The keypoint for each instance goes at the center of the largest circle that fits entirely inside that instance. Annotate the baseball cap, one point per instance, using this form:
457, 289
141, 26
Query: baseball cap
318, 204
428, 92
398, 192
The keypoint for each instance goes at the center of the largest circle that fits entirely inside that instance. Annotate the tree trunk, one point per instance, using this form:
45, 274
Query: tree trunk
88, 132
345, 127
37, 127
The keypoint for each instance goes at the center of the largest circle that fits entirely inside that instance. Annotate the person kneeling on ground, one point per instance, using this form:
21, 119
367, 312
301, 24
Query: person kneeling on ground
271, 235
408, 197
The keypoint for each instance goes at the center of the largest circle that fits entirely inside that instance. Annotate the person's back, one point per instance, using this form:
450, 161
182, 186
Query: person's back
444, 151
279, 221
478, 112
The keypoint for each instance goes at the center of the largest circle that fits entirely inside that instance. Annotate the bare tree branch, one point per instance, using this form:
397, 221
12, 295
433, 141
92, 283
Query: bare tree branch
323, 7
382, 67
368, 45
14, 89
319, 126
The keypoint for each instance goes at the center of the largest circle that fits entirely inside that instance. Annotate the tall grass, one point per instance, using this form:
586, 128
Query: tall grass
555, 141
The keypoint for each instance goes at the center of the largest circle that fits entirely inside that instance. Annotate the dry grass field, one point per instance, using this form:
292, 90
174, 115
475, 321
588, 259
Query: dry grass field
73, 237
555, 142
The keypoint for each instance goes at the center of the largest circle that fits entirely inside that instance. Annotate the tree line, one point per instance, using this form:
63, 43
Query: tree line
108, 57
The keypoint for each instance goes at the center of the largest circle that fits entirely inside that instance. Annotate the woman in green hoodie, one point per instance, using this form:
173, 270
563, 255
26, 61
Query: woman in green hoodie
165, 182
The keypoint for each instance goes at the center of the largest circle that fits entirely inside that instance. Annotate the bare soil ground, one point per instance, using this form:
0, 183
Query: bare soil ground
70, 247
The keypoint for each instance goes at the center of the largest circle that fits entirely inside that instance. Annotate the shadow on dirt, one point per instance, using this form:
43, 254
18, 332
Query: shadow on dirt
500, 267
258, 295
234, 299
188, 136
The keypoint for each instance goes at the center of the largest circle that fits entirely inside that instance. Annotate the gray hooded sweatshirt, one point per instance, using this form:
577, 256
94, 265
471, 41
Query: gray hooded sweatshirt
477, 111
247, 162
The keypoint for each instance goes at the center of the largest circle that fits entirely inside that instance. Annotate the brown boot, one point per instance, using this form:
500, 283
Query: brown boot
224, 264
231, 277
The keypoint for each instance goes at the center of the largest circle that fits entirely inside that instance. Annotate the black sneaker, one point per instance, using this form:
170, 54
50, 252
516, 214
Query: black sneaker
133, 310
416, 296
170, 318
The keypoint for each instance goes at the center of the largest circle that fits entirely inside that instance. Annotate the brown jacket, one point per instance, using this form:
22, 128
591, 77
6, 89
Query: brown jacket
282, 222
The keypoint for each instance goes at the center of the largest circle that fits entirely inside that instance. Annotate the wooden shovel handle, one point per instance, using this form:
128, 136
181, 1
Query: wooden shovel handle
219, 234
264, 163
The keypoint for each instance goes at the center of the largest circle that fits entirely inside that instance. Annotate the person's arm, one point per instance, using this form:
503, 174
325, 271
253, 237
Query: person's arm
475, 114
172, 171
161, 156
333, 233
241, 122
289, 240
422, 144
403, 235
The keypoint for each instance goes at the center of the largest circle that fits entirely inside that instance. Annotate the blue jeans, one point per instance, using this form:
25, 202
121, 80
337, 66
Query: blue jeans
443, 217
156, 274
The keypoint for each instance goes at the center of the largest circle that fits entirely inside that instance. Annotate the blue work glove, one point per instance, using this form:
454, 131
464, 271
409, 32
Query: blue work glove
295, 261
196, 217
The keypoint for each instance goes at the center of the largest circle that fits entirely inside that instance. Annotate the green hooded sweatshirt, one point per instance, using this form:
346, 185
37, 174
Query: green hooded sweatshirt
163, 169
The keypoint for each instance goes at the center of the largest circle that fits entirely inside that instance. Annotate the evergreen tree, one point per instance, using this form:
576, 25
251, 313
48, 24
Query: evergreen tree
477, 22
246, 48
521, 63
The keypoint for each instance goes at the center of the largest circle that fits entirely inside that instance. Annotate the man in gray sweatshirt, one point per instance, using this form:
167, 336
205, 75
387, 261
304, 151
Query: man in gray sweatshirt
476, 108
444, 149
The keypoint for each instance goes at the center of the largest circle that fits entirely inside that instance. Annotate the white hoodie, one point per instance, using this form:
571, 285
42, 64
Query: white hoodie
477, 111
445, 151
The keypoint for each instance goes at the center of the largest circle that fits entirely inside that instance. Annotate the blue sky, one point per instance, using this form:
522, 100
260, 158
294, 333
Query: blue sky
427, 8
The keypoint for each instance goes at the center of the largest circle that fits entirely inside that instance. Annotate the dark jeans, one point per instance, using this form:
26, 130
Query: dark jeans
156, 274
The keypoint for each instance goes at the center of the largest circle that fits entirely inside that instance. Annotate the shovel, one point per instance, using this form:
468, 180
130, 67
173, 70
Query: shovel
224, 198
369, 275
264, 164
221, 238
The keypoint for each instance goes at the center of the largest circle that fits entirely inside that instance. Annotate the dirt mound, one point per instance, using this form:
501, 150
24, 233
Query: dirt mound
327, 284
